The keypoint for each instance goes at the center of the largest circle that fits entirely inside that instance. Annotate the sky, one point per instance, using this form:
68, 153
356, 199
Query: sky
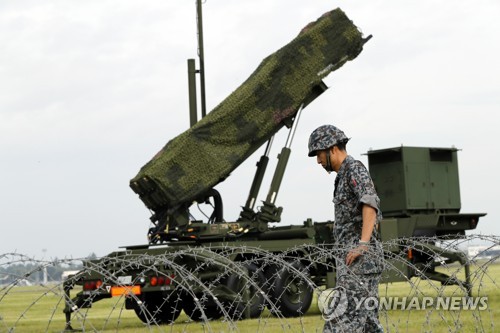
91, 90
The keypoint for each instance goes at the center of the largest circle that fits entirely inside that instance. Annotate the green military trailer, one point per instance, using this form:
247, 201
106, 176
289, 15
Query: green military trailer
224, 269
235, 269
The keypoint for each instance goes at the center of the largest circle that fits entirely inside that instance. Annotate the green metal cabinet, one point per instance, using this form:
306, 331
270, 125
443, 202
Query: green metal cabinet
413, 180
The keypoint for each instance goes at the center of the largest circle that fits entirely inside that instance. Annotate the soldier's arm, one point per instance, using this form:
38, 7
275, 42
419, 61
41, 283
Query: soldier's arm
369, 218
368, 200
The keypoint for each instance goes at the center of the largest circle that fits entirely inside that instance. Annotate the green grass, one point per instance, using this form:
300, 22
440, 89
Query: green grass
39, 309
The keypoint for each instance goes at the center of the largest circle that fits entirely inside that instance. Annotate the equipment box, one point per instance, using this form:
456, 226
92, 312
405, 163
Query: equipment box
416, 180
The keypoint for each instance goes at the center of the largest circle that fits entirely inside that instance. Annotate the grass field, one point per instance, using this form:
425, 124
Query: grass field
39, 309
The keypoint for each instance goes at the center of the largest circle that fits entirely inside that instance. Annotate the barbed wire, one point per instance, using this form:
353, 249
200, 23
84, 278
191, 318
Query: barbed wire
220, 285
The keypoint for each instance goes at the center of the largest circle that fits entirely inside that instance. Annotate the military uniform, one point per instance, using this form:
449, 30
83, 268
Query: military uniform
359, 281
353, 188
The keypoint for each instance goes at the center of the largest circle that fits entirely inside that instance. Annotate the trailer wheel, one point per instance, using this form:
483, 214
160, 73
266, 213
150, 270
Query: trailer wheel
158, 308
210, 308
270, 272
237, 308
291, 293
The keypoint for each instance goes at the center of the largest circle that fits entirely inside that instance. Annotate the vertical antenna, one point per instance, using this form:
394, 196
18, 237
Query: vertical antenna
201, 55
193, 110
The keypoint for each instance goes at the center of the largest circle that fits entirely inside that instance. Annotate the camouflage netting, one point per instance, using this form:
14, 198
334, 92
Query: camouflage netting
205, 154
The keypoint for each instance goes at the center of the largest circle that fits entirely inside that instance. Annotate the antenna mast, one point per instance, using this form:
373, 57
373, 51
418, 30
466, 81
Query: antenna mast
201, 55
192, 71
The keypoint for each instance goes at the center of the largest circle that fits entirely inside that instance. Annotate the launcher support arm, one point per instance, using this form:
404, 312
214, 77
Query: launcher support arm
269, 212
247, 213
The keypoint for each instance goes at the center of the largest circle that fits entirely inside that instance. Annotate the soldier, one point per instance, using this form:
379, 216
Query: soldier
359, 258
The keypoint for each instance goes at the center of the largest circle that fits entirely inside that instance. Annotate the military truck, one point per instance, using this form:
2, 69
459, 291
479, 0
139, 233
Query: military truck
235, 269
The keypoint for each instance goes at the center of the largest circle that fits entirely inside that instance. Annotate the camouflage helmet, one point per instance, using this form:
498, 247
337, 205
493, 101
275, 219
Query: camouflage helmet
324, 137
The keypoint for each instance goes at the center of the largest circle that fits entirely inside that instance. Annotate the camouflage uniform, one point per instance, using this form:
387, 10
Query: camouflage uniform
359, 281
353, 188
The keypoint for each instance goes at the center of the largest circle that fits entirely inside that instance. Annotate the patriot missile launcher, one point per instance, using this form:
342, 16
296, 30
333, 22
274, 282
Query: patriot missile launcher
235, 269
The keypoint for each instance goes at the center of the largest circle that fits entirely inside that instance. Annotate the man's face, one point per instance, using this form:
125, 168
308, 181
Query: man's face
321, 158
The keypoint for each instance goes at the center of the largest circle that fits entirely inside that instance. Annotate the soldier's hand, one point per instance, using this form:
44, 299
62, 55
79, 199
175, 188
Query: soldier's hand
355, 253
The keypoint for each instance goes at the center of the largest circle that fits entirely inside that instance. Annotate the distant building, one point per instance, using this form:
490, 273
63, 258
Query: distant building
483, 252
23, 283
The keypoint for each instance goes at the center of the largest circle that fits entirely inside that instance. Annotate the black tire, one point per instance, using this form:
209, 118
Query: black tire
291, 294
158, 308
211, 310
270, 273
238, 309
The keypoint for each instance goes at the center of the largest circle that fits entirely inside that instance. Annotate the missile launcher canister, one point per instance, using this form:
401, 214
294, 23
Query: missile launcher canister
204, 155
